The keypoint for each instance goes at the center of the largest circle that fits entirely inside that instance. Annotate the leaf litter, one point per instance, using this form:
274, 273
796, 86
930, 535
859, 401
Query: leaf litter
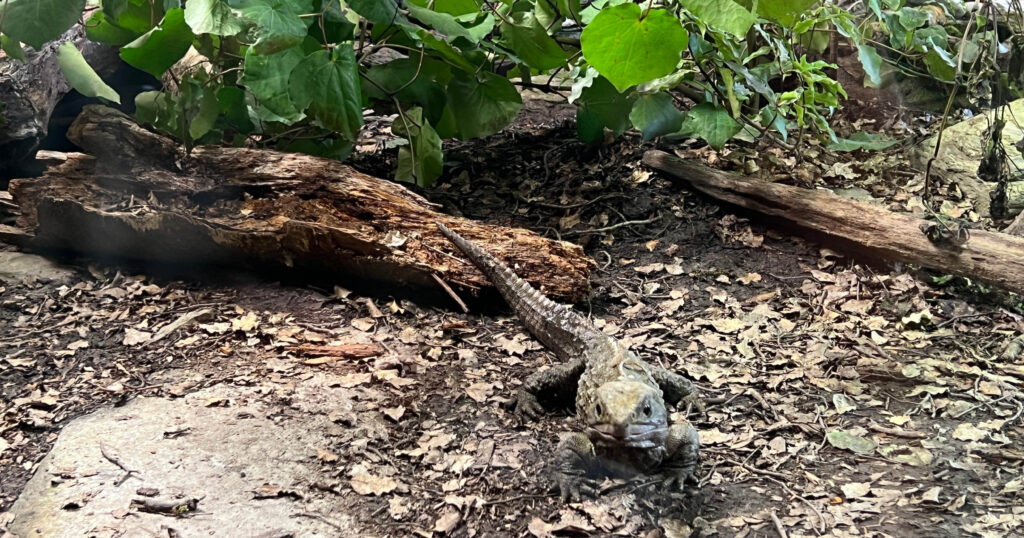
840, 400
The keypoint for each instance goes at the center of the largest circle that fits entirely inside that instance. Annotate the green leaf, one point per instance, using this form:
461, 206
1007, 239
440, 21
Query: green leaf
98, 29
483, 104
212, 17
588, 126
421, 160
912, 19
446, 50
480, 27
378, 11
114, 8
35, 22
628, 49
712, 123
451, 7
12, 48
278, 24
444, 23
137, 18
938, 67
531, 43
785, 12
328, 83
656, 115
569, 9
204, 120
725, 15
872, 63
602, 104
267, 78
157, 50
415, 83
81, 75
231, 106
863, 140
848, 441
161, 110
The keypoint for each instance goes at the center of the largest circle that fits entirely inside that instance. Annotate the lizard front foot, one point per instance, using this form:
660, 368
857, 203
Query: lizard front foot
682, 446
575, 459
527, 405
575, 488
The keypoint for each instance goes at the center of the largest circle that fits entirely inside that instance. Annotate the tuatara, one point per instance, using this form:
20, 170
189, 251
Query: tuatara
622, 399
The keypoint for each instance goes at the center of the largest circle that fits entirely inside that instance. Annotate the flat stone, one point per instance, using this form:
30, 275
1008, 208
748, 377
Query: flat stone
217, 444
20, 267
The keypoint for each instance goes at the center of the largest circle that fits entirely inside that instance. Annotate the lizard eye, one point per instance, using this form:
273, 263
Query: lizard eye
597, 409
647, 410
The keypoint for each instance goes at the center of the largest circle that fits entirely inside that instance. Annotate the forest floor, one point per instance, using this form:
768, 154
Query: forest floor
843, 399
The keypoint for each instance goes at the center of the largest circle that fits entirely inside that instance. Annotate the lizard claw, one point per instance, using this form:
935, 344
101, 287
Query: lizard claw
574, 488
527, 405
677, 481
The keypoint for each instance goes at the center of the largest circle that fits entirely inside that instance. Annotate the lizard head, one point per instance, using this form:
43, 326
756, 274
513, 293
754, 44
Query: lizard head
627, 413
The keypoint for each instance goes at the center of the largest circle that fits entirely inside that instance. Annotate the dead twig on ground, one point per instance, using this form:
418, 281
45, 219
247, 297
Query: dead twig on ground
451, 293
778, 525
113, 458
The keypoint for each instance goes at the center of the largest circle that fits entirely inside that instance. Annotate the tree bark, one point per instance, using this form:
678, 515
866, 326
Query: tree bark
990, 256
138, 196
30, 90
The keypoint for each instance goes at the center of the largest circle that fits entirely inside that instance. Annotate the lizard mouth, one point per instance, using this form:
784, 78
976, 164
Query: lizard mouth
633, 435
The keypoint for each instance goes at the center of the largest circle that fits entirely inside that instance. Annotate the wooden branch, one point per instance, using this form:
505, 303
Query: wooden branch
990, 256
137, 195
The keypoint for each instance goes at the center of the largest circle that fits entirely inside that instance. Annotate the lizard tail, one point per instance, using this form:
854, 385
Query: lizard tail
563, 331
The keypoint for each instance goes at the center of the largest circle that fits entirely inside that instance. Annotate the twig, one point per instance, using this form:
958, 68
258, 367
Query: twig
112, 458
312, 515
895, 432
958, 318
613, 226
516, 498
571, 206
778, 525
451, 292
175, 507
758, 471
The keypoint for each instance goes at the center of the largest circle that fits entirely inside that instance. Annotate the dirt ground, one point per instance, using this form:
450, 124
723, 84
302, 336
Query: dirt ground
842, 399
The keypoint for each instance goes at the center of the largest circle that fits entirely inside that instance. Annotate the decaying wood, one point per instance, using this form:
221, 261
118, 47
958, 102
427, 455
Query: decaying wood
990, 256
137, 195
30, 90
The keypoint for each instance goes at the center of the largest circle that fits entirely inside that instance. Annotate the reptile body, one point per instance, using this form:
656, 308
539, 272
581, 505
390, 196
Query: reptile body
622, 399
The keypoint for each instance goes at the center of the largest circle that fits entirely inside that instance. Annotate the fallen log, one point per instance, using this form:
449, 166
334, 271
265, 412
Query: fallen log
989, 256
31, 90
137, 195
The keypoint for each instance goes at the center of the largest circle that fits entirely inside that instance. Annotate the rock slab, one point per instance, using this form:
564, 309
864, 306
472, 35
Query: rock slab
219, 444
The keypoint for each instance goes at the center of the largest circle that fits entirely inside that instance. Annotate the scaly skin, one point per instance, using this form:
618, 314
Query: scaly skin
622, 399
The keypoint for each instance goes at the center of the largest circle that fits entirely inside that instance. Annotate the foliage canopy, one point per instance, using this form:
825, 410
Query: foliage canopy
297, 75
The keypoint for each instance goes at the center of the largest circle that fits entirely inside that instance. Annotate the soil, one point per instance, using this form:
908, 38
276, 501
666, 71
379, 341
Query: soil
841, 398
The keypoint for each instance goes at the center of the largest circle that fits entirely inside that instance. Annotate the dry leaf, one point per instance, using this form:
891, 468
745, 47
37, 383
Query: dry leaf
447, 522
133, 337
247, 323
855, 490
394, 413
480, 391
326, 456
969, 432
368, 484
363, 324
